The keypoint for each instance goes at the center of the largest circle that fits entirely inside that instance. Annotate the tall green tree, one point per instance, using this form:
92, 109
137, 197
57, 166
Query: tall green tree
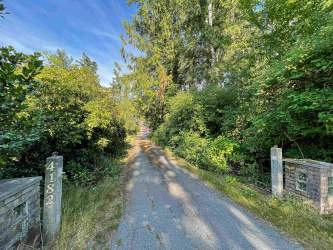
20, 122
59, 107
85, 61
60, 59
250, 66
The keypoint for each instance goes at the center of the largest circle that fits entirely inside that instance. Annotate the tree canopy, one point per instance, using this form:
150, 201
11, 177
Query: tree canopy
250, 74
219, 82
56, 105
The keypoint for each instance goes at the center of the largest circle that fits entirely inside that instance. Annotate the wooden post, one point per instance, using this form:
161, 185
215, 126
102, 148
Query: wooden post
52, 197
277, 171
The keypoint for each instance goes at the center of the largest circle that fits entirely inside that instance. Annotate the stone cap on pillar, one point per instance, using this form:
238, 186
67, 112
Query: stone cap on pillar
9, 187
309, 163
58, 157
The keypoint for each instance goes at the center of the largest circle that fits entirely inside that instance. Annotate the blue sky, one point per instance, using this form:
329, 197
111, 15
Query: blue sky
90, 26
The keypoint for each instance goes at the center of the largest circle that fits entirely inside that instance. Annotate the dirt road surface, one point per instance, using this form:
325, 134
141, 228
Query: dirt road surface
169, 208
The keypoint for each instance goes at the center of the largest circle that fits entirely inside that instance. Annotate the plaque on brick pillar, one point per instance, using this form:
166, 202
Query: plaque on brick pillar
52, 197
277, 171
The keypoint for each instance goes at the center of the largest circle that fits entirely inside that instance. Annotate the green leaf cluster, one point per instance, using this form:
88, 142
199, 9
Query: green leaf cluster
258, 73
55, 105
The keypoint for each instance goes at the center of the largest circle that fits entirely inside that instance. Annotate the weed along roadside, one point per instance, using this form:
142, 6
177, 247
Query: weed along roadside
289, 213
91, 214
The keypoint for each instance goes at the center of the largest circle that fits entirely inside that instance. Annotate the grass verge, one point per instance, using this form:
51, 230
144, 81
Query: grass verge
291, 215
91, 214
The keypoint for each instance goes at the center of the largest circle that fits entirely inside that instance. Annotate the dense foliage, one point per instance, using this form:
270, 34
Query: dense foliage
221, 82
56, 106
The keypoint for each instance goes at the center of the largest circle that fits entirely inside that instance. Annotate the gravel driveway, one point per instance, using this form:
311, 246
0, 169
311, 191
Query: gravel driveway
169, 208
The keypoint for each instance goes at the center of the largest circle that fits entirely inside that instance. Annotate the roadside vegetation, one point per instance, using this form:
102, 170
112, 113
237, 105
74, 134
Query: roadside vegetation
221, 82
225, 81
289, 214
91, 214
52, 103
218, 81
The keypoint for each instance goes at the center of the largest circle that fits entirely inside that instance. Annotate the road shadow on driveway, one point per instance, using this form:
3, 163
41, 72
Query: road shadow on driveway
169, 208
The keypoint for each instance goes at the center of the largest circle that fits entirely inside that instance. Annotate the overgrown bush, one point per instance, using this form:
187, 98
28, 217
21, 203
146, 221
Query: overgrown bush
20, 122
218, 153
185, 131
191, 147
185, 114
295, 96
58, 108
160, 135
206, 153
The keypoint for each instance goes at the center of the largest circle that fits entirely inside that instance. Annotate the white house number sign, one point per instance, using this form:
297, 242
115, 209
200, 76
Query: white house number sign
50, 186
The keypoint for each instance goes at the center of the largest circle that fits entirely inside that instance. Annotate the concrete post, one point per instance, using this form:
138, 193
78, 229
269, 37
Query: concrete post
277, 171
52, 197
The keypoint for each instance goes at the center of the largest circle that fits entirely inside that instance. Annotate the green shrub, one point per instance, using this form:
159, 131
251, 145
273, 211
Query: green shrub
59, 107
20, 124
211, 154
160, 135
219, 108
185, 115
191, 147
78, 173
295, 99
218, 152
184, 130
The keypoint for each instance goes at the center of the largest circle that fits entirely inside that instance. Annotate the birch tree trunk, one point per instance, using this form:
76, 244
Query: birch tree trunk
210, 23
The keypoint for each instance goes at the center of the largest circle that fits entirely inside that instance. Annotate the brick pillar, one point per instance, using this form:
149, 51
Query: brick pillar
277, 171
52, 197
